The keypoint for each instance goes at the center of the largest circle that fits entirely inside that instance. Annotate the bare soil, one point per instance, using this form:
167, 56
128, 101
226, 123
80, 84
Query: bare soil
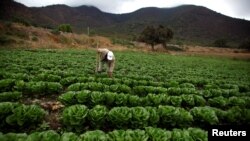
49, 104
200, 51
44, 38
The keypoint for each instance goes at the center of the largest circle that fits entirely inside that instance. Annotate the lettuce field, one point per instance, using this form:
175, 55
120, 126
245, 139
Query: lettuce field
55, 95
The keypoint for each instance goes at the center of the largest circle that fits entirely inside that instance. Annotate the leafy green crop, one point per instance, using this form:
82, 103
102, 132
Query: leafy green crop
69, 136
140, 117
173, 92
74, 116
174, 117
68, 98
136, 135
97, 116
6, 85
158, 134
24, 115
198, 134
10, 96
96, 135
204, 116
153, 116
120, 117
14, 137
49, 135
97, 98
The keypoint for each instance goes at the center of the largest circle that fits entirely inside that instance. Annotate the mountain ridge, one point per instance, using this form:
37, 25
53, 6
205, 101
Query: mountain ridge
190, 23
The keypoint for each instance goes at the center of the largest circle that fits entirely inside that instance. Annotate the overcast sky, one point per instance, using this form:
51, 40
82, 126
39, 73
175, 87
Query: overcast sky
233, 8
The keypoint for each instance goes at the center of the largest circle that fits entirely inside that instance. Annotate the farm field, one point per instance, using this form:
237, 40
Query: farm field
55, 95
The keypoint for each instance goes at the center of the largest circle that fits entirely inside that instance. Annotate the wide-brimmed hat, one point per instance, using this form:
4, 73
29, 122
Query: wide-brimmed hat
110, 55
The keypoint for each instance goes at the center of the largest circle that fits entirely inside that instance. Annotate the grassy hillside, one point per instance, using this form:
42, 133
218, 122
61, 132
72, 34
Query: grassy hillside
191, 24
16, 35
21, 36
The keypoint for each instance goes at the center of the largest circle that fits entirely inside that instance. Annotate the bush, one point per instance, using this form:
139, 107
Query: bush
34, 38
65, 28
55, 32
4, 40
220, 43
245, 44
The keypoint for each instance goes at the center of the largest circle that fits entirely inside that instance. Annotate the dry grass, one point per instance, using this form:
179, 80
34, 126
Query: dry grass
34, 37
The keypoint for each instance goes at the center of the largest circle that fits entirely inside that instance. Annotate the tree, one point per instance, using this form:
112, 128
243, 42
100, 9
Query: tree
164, 35
220, 43
148, 36
64, 28
245, 44
154, 36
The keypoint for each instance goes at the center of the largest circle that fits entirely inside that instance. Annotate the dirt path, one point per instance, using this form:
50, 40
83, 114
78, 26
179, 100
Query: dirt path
219, 52
200, 51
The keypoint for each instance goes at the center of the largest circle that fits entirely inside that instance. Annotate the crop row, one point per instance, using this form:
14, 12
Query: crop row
16, 116
131, 82
76, 117
19, 116
150, 133
42, 87
144, 90
32, 87
111, 99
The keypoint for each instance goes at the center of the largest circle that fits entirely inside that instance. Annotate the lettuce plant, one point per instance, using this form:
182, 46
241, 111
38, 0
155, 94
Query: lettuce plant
10, 96
74, 116
69, 136
140, 117
24, 115
120, 117
97, 116
174, 116
136, 135
158, 134
97, 98
154, 117
96, 135
204, 116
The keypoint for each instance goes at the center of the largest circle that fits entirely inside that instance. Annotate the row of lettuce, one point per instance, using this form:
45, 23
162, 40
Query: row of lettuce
44, 87
130, 82
149, 133
16, 116
111, 99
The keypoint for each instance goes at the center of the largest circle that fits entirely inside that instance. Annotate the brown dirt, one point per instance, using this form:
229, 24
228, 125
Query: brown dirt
215, 51
45, 39
199, 51
52, 106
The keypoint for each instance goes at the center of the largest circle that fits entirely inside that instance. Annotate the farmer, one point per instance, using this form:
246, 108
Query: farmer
105, 56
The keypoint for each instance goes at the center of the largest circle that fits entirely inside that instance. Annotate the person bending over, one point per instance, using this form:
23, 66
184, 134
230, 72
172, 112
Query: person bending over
105, 56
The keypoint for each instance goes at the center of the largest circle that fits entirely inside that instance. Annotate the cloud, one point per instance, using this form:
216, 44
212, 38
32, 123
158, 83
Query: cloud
240, 7
233, 8
105, 5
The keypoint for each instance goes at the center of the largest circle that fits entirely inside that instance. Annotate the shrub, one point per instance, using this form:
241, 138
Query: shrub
220, 43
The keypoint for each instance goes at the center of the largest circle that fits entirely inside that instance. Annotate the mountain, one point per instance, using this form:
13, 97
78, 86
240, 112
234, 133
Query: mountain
191, 24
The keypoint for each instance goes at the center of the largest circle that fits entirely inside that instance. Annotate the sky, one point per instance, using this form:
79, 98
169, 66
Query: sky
233, 8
